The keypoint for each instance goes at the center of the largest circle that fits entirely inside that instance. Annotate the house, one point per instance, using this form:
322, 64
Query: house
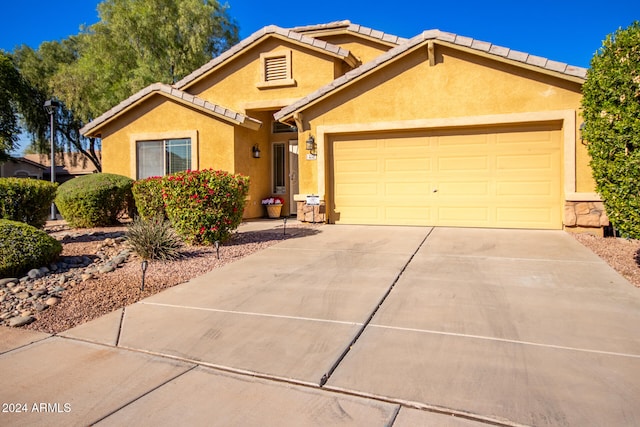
20, 167
439, 129
68, 165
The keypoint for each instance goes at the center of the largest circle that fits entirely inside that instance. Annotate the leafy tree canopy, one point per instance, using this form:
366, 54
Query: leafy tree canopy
10, 89
135, 43
611, 112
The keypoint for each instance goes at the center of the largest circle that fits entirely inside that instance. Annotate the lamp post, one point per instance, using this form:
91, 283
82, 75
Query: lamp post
51, 105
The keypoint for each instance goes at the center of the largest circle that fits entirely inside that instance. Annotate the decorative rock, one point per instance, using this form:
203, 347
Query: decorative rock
34, 274
44, 271
62, 280
107, 268
86, 276
40, 306
20, 321
6, 282
52, 301
23, 295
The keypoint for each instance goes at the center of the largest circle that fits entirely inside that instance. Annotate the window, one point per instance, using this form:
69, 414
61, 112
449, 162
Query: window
276, 69
279, 169
163, 157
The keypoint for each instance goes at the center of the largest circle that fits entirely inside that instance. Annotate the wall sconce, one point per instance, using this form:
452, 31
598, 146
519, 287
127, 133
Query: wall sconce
311, 143
582, 125
256, 152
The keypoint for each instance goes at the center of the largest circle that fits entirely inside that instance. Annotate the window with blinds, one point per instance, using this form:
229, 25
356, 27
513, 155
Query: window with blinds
276, 69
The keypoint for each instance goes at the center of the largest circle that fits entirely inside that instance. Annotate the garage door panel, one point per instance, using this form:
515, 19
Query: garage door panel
463, 188
482, 177
421, 165
542, 162
462, 163
525, 188
467, 215
356, 189
408, 215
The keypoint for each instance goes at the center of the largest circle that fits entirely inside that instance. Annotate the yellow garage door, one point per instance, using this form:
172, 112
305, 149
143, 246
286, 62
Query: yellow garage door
488, 177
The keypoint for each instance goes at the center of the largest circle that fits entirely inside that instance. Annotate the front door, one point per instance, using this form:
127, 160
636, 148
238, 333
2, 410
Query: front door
285, 173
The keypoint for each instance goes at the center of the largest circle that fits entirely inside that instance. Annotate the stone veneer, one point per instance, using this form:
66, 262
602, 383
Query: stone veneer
585, 214
309, 213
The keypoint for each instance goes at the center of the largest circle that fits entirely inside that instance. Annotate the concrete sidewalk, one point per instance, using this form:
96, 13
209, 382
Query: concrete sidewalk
353, 325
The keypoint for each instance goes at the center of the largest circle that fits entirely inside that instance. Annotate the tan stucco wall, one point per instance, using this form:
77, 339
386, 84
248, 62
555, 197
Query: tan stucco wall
236, 84
459, 85
161, 118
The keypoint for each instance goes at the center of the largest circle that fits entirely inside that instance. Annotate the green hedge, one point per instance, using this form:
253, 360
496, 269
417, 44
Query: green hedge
26, 200
148, 197
611, 112
23, 247
205, 206
95, 200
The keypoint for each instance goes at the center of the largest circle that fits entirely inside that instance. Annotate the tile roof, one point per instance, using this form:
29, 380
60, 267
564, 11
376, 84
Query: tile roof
349, 26
171, 92
269, 30
467, 42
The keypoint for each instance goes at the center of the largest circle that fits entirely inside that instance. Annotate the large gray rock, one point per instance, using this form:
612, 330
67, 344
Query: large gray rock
20, 321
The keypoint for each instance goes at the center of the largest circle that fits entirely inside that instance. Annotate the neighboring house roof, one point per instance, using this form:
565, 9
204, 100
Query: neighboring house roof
28, 162
93, 128
270, 30
74, 163
537, 63
347, 26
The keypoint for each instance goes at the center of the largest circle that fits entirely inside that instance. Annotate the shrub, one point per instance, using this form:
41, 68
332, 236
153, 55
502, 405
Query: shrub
23, 247
154, 239
148, 197
26, 200
611, 107
205, 206
95, 200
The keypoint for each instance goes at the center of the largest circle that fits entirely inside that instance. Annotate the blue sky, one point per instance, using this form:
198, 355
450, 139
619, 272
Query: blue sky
561, 30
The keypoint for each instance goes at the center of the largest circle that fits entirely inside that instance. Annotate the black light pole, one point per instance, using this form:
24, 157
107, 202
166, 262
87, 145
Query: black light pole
51, 105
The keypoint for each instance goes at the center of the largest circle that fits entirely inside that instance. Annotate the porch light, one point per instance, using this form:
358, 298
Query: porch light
256, 152
311, 143
582, 125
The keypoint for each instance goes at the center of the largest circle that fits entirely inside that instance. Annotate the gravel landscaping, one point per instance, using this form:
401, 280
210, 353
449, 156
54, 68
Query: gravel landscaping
97, 273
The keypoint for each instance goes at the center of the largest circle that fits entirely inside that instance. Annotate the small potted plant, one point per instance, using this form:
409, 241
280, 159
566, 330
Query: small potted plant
273, 205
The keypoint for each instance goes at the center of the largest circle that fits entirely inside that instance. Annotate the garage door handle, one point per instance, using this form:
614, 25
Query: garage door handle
435, 190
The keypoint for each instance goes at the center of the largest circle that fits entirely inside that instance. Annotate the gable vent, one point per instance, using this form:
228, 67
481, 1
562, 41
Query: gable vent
275, 68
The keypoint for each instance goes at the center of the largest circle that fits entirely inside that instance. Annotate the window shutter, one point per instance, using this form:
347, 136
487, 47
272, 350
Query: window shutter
276, 68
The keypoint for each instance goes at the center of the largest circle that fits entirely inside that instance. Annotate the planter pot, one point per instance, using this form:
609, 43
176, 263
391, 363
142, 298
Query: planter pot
274, 211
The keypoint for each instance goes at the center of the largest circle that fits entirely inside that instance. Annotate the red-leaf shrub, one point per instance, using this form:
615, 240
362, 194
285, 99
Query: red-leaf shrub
205, 206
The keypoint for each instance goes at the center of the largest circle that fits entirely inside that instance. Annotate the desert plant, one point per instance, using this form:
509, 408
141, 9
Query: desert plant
611, 107
95, 200
154, 239
205, 206
148, 196
23, 247
26, 200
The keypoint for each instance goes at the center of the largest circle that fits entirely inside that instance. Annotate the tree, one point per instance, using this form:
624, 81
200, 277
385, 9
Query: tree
11, 87
140, 42
135, 43
611, 112
38, 69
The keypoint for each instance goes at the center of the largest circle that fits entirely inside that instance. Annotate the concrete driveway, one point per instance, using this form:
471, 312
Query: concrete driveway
355, 325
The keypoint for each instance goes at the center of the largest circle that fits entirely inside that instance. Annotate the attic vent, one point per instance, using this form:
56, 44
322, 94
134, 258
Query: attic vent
276, 69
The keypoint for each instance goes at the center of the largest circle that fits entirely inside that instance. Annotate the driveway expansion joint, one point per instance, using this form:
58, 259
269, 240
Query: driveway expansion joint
328, 374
